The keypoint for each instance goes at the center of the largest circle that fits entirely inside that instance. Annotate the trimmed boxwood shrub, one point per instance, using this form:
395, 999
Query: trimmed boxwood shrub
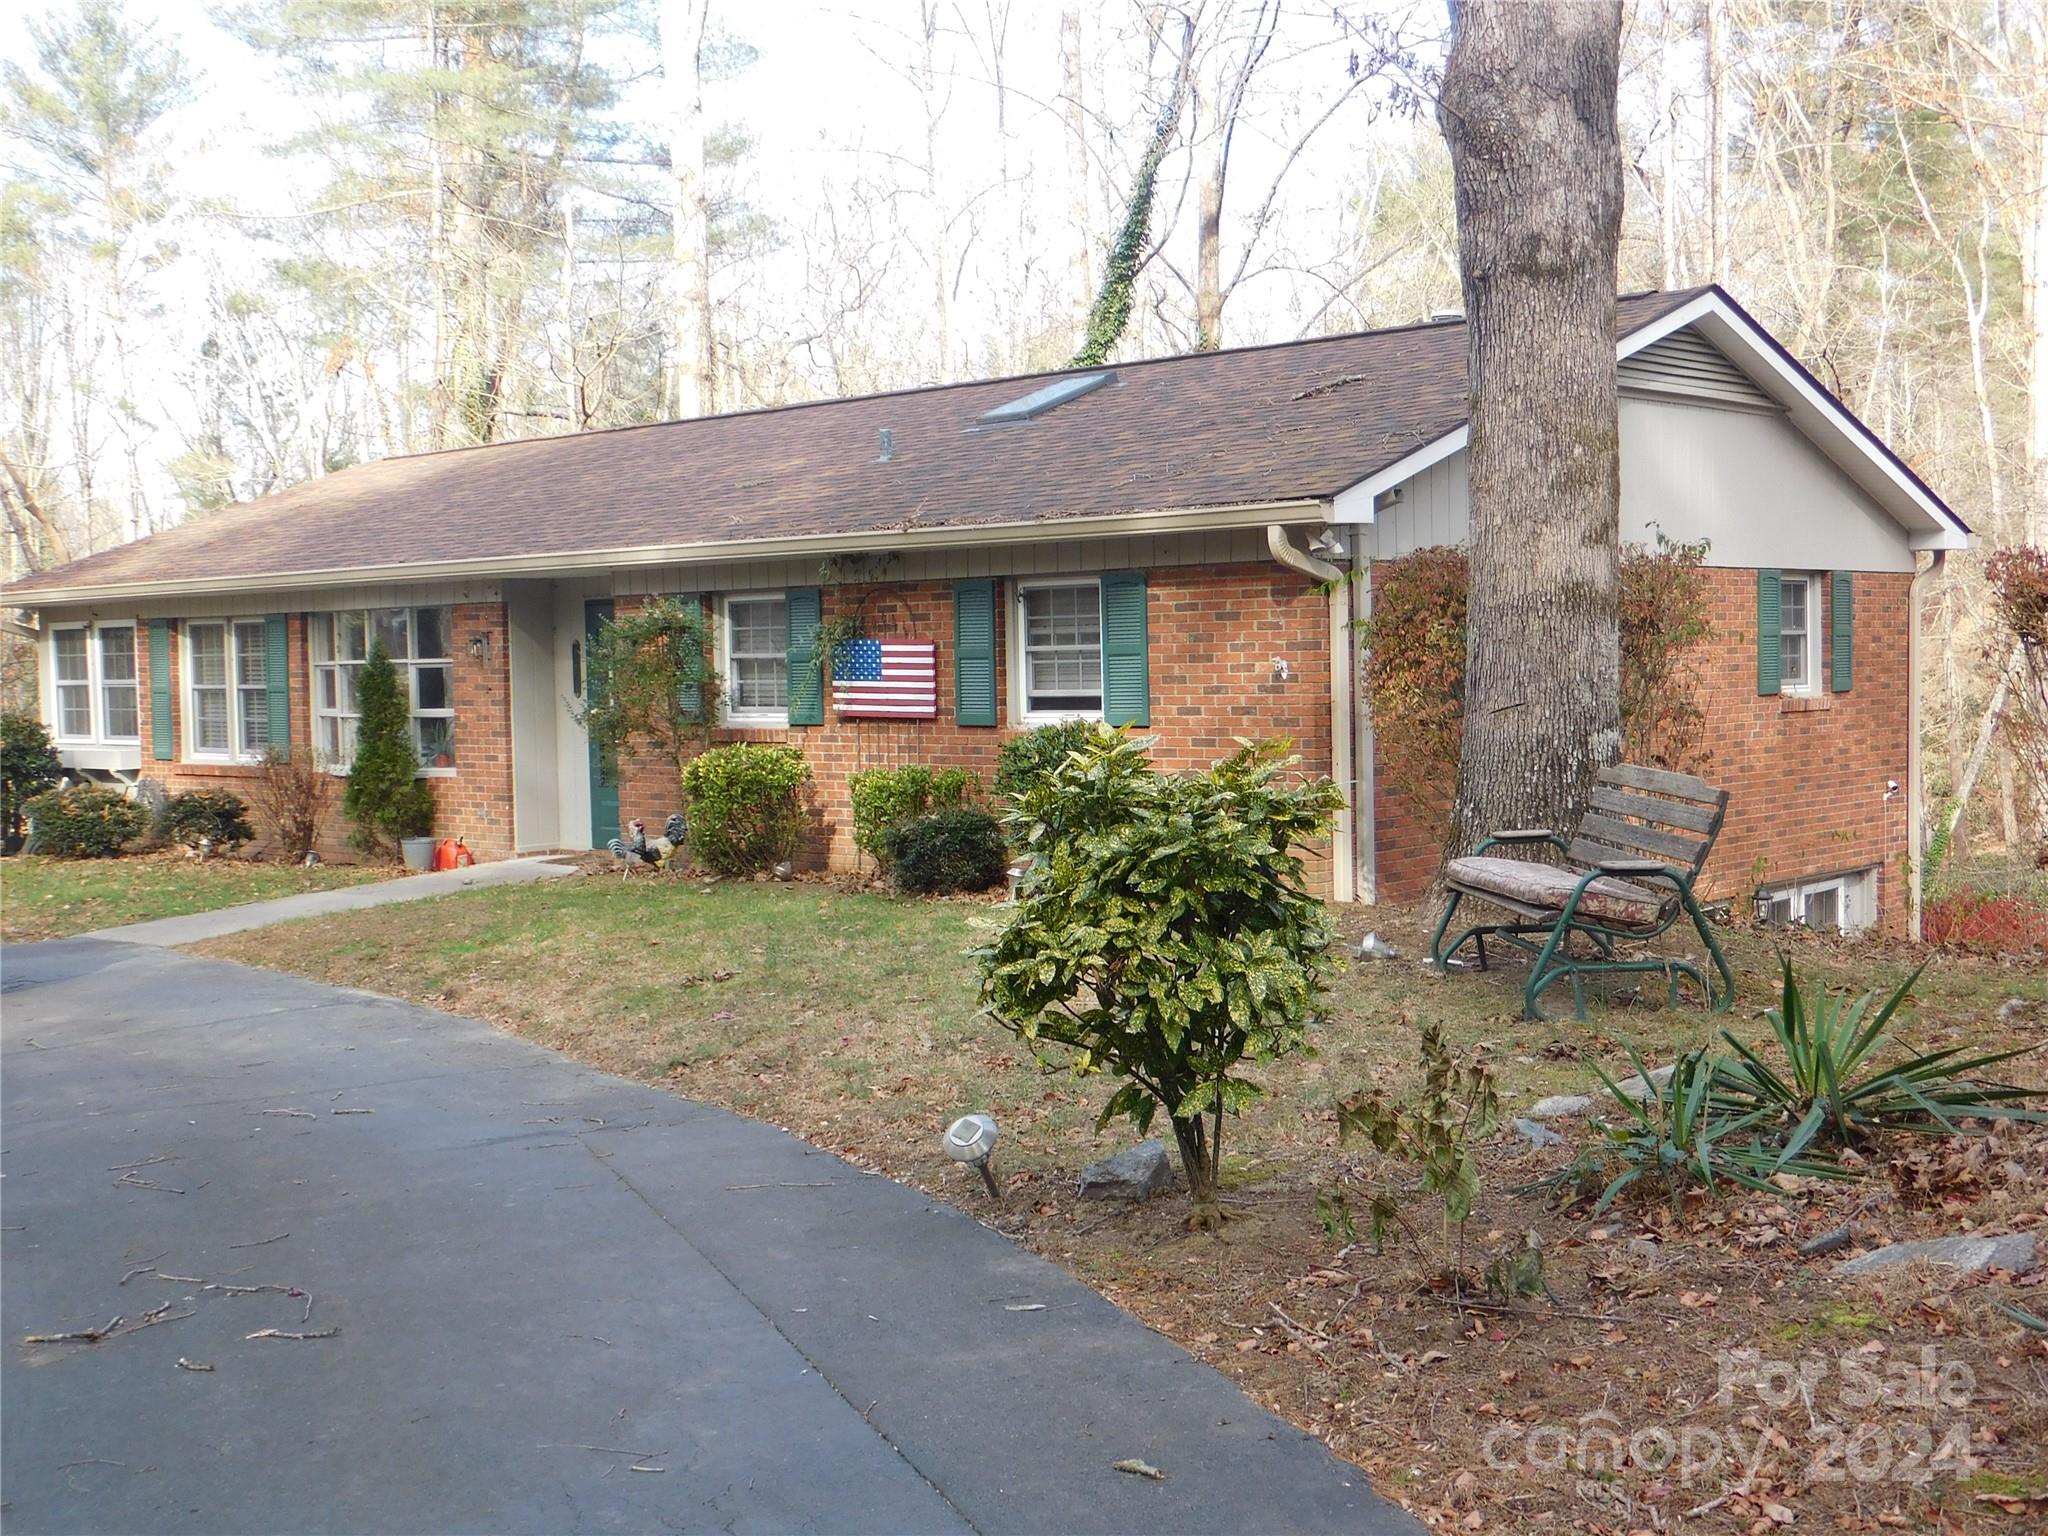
28, 766
85, 822
198, 815
882, 797
961, 849
1026, 759
746, 806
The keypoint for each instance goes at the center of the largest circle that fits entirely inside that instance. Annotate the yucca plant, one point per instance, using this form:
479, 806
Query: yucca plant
1831, 1088
1680, 1135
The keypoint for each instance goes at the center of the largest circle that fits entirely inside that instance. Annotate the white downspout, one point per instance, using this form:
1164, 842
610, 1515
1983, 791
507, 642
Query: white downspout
1343, 885
1915, 853
1365, 751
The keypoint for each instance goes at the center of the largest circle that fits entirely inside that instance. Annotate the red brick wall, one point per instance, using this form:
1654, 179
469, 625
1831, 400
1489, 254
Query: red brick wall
1215, 632
1806, 776
475, 801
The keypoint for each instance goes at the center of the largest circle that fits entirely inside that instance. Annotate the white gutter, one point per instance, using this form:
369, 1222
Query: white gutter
1916, 855
573, 562
1343, 883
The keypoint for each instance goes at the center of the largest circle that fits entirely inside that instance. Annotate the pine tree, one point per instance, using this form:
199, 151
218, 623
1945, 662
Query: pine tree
385, 797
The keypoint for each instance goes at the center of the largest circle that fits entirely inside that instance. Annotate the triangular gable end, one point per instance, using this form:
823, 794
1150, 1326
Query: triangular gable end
1669, 356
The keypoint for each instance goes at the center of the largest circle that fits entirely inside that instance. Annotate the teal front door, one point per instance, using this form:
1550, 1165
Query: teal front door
604, 781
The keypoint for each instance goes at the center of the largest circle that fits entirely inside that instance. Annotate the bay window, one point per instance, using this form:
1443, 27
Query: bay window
120, 719
92, 677
418, 642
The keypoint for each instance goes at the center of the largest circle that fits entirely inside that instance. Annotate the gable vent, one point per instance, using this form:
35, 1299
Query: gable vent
1687, 365
1048, 397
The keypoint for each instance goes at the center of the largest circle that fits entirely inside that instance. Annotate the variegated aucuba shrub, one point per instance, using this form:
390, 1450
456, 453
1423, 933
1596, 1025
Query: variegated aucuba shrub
1163, 935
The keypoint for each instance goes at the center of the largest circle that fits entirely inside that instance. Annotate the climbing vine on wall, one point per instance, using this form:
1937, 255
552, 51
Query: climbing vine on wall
1415, 666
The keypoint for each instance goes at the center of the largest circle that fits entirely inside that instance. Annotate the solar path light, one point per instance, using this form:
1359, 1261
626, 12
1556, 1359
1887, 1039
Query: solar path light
971, 1139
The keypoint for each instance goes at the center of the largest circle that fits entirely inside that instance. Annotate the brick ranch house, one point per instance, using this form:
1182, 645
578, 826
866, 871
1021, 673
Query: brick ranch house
1159, 543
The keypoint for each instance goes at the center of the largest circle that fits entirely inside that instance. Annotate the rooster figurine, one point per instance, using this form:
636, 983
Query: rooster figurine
632, 852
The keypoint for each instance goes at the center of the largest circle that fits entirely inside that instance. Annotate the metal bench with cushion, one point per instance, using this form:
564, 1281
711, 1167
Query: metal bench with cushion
1627, 875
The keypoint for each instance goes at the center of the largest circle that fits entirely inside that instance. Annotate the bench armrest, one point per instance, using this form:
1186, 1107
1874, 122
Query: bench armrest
1518, 836
1634, 867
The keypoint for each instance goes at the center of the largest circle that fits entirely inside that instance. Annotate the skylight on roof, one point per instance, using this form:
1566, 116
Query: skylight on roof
1043, 399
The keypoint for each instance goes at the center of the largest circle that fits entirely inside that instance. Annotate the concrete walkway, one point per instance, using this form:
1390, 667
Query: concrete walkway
170, 932
559, 1300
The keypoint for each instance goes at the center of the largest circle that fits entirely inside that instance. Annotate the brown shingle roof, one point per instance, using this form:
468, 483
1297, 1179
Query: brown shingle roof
1291, 421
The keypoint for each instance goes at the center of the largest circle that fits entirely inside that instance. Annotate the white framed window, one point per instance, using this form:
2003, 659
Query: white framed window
420, 643
1845, 903
1057, 671
756, 634
1800, 622
92, 682
71, 681
227, 689
120, 716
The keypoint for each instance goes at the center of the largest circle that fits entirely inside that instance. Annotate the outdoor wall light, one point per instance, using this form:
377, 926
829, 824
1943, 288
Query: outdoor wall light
480, 645
972, 1139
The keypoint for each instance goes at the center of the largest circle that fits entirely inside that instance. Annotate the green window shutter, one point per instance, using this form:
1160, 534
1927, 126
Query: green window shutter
1842, 639
1770, 654
277, 667
974, 652
691, 695
1126, 650
804, 609
160, 689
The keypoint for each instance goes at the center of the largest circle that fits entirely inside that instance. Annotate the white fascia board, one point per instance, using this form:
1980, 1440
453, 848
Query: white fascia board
1354, 504
1304, 509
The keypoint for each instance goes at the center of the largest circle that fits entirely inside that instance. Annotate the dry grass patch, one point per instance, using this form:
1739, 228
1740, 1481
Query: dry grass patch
44, 898
850, 1018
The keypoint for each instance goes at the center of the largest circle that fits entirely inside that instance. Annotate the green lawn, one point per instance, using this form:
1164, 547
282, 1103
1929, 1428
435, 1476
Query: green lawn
43, 898
853, 1017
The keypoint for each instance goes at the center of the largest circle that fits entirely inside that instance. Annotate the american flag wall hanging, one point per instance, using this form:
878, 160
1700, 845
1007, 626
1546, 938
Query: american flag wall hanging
886, 679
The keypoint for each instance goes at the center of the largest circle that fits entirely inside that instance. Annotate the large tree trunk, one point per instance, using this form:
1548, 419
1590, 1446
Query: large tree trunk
1528, 108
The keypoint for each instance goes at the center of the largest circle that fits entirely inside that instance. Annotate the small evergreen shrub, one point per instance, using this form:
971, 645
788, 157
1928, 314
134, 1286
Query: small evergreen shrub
885, 797
85, 822
211, 815
384, 797
28, 766
1026, 759
746, 806
960, 849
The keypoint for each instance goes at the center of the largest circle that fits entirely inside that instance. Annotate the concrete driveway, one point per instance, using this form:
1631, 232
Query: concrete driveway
551, 1300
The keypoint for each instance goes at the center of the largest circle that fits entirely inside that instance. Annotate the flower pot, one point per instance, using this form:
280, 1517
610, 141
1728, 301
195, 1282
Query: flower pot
418, 852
